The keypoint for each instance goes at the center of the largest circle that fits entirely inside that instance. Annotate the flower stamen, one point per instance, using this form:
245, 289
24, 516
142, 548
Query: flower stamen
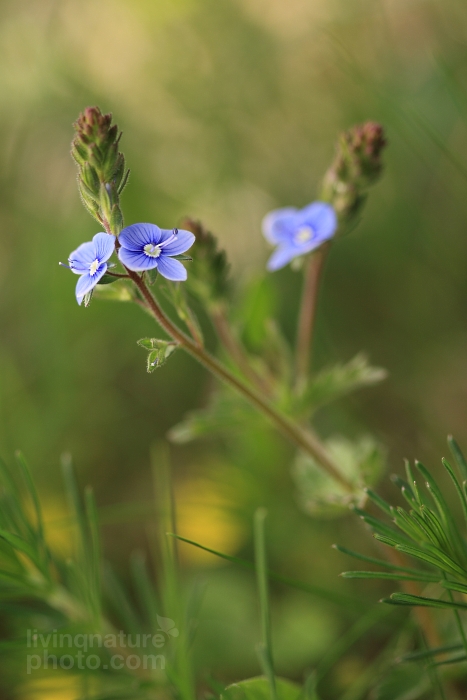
153, 251
304, 234
94, 266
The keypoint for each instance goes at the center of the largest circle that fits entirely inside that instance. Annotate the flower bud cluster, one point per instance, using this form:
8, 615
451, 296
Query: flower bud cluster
209, 279
102, 174
357, 166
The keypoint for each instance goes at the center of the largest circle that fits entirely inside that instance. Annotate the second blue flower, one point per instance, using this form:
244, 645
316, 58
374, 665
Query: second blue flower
146, 246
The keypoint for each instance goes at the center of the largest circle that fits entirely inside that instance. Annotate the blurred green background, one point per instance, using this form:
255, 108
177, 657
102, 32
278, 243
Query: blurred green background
230, 108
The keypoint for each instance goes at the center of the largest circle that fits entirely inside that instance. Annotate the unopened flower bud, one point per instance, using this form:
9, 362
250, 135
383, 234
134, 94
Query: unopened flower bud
357, 165
102, 175
209, 270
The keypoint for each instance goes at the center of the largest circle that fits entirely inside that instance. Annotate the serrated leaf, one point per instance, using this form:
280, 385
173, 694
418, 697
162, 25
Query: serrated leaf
159, 351
360, 462
334, 382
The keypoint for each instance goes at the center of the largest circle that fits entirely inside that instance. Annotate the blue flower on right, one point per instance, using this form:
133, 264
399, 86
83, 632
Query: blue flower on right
298, 231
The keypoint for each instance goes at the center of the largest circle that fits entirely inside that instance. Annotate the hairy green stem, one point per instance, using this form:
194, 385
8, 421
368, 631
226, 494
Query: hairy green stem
306, 440
236, 350
307, 315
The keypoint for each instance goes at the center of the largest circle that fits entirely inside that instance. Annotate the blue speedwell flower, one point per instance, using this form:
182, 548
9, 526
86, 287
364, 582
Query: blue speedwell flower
298, 231
90, 261
146, 246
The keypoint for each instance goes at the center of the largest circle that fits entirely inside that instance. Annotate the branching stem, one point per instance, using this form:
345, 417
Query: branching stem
306, 440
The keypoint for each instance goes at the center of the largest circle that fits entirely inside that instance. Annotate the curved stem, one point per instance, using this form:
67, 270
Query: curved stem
304, 439
236, 350
307, 315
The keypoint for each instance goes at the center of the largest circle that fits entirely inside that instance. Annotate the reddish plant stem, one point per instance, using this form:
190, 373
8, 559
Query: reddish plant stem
307, 314
236, 351
306, 440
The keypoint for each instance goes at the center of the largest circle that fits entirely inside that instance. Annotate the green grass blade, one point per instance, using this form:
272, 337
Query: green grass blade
458, 457
378, 562
427, 653
421, 601
389, 576
434, 557
94, 553
33, 493
263, 594
380, 502
338, 599
457, 486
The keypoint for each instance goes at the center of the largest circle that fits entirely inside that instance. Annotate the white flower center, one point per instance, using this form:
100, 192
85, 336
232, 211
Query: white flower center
304, 234
94, 267
152, 250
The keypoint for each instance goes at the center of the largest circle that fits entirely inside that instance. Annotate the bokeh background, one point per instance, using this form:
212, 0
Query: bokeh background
230, 108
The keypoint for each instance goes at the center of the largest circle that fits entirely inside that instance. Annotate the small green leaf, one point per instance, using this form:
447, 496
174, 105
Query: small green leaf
108, 279
87, 298
151, 275
334, 382
181, 257
224, 415
360, 462
123, 291
159, 351
389, 576
421, 601
259, 689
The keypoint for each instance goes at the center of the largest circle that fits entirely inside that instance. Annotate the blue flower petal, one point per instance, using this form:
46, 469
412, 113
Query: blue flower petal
87, 282
136, 260
81, 258
171, 269
180, 244
321, 217
282, 256
136, 236
104, 244
279, 224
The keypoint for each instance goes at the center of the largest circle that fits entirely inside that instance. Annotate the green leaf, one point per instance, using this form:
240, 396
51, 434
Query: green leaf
181, 257
324, 593
452, 586
151, 275
421, 601
402, 683
87, 298
458, 456
209, 273
108, 279
258, 689
123, 291
21, 545
226, 413
159, 351
378, 562
389, 576
334, 382
427, 653
360, 462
